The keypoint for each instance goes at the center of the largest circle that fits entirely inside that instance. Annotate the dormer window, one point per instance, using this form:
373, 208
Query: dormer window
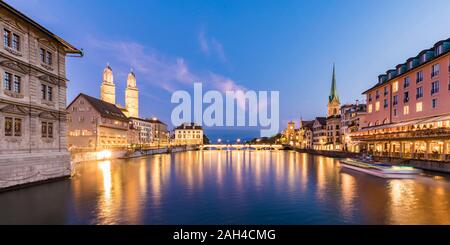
440, 50
423, 58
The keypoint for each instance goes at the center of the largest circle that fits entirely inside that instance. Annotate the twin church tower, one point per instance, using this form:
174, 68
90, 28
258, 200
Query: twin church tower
108, 92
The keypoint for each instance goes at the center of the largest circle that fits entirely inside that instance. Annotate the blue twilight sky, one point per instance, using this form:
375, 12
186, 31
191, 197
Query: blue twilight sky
288, 46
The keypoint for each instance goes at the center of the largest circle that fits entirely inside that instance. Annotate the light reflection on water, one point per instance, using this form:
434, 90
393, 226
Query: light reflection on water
228, 187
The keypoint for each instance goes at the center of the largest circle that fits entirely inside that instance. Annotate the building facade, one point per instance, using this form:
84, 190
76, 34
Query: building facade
96, 125
159, 134
305, 134
188, 134
319, 131
352, 117
333, 142
407, 110
143, 128
33, 142
290, 133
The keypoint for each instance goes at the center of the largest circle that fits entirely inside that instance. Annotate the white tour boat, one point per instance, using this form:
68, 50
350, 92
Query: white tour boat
380, 170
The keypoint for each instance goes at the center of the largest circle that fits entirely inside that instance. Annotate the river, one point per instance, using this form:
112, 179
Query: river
228, 187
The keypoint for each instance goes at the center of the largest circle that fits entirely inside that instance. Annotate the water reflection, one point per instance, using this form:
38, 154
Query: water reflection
227, 187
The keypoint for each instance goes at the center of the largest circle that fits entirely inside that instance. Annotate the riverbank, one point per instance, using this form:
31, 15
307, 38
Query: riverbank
436, 166
90, 155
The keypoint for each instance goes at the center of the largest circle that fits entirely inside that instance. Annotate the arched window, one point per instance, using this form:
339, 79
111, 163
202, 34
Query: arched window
385, 121
377, 123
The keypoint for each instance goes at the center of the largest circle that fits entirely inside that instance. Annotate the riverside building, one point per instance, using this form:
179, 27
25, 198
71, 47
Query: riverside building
33, 142
408, 112
188, 134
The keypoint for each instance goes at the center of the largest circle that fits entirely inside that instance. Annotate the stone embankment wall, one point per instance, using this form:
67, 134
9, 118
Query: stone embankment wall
27, 168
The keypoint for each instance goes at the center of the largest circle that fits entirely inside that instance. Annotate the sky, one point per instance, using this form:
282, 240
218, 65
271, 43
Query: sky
286, 46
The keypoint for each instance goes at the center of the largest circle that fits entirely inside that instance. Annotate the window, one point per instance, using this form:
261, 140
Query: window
395, 111
406, 82
43, 91
385, 103
435, 70
405, 110
370, 108
377, 106
13, 126
434, 103
405, 97
16, 84
46, 57
7, 84
7, 38
47, 130
419, 76
395, 87
377, 94
418, 106
16, 42
434, 87
11, 40
395, 100
440, 50
46, 92
419, 92
386, 91
370, 95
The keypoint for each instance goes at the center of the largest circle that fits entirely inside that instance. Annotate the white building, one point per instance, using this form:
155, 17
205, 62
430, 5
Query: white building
188, 134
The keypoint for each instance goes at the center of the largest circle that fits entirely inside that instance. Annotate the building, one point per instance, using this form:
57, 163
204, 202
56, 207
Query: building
159, 135
319, 131
352, 116
96, 124
305, 134
143, 134
188, 134
108, 92
333, 120
408, 113
33, 142
290, 133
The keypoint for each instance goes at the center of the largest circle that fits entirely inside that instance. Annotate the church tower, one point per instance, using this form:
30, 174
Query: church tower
108, 89
132, 96
333, 100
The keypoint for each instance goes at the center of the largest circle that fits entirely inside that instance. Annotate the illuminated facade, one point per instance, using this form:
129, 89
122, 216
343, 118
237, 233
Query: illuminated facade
408, 112
352, 117
319, 131
188, 134
95, 124
33, 127
290, 133
333, 141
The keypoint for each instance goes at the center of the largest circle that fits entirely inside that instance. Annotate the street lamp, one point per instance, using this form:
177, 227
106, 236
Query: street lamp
238, 140
219, 141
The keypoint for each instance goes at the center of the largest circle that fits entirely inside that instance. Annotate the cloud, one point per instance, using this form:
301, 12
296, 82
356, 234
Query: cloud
211, 46
157, 69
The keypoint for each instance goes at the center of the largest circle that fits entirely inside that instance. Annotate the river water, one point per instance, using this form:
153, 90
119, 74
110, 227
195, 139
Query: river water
228, 187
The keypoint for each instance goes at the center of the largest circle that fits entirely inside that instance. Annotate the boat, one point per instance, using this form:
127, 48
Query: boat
381, 170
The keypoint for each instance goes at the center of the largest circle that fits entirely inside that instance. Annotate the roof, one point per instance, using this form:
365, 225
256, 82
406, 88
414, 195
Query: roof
307, 124
105, 109
322, 120
155, 120
189, 126
68, 47
333, 92
415, 67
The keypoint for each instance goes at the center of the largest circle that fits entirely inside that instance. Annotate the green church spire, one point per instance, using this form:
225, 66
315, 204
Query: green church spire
333, 93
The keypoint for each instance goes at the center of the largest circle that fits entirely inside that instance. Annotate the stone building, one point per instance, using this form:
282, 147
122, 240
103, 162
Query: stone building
290, 134
319, 133
108, 92
144, 131
188, 134
33, 142
305, 134
333, 142
159, 133
96, 124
